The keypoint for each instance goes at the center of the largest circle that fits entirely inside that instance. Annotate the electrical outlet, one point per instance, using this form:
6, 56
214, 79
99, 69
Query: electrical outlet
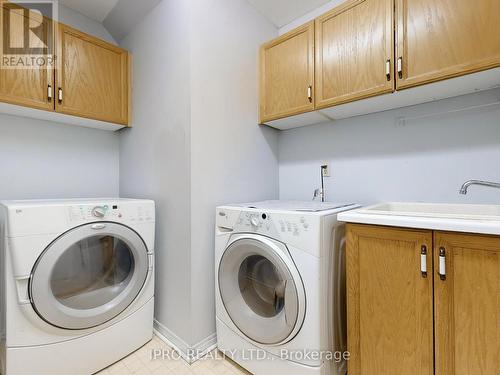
325, 169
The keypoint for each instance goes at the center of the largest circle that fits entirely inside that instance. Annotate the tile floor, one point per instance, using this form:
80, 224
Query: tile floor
140, 363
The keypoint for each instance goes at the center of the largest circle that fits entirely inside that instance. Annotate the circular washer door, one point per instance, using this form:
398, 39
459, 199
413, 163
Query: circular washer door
261, 289
88, 275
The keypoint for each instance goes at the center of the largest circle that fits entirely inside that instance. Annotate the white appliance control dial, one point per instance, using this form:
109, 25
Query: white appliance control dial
99, 212
255, 221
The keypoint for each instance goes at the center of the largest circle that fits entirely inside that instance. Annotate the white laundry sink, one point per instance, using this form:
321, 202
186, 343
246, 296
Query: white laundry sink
472, 218
437, 210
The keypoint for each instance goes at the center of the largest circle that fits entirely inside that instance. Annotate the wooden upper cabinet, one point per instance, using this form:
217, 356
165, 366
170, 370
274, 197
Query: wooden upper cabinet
354, 52
467, 304
446, 38
93, 77
24, 81
287, 74
389, 301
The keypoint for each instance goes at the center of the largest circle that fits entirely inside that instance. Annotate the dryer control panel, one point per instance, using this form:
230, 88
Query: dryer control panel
110, 212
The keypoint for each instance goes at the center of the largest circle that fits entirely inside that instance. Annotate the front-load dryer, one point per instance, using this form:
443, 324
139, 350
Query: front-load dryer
280, 287
77, 284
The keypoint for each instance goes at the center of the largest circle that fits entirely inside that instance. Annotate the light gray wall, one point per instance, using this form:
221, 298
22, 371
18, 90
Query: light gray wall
39, 159
195, 143
422, 153
233, 159
155, 152
43, 160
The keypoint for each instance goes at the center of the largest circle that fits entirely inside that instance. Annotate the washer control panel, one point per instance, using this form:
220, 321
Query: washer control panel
273, 224
301, 230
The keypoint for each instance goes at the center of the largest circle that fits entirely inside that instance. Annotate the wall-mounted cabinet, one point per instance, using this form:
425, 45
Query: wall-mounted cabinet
287, 75
422, 302
88, 85
370, 55
354, 52
26, 87
446, 38
92, 77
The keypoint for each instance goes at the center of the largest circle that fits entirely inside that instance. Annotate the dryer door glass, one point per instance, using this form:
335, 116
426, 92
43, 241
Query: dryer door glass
259, 290
89, 275
92, 272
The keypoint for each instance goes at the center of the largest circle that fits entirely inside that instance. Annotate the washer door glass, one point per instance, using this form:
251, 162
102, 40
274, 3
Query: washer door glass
259, 290
89, 275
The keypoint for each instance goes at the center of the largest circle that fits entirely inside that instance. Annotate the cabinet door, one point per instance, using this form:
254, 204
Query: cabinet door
446, 38
467, 304
287, 75
92, 77
354, 52
26, 74
389, 301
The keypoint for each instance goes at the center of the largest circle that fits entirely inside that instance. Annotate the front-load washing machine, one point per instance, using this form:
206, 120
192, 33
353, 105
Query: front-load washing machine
280, 287
77, 285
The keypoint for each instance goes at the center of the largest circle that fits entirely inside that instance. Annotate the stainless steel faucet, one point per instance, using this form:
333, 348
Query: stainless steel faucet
465, 186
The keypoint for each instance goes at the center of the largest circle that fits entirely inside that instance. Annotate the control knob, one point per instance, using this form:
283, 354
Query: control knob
254, 221
98, 212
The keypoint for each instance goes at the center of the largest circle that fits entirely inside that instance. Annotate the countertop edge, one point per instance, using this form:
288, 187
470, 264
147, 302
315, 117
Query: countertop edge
489, 227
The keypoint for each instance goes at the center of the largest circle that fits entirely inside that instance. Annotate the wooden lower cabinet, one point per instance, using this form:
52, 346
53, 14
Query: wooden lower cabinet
404, 321
389, 305
467, 305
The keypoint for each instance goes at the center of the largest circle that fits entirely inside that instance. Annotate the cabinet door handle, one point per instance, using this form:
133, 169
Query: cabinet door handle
442, 263
400, 67
60, 95
49, 93
388, 69
310, 93
423, 261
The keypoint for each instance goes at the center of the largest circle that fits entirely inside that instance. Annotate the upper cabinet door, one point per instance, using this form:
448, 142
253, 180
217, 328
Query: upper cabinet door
467, 304
445, 38
287, 74
92, 78
354, 52
389, 301
26, 74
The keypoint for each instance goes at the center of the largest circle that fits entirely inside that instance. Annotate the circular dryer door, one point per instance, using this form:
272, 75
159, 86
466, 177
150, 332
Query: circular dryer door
261, 289
88, 275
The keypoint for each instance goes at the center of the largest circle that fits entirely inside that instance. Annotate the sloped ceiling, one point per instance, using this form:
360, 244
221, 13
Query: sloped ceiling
119, 17
126, 14
97, 10
282, 12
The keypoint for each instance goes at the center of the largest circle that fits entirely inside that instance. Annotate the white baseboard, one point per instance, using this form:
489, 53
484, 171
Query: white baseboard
189, 353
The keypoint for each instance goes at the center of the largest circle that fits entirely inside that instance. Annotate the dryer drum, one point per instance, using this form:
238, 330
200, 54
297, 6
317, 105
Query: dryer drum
87, 277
